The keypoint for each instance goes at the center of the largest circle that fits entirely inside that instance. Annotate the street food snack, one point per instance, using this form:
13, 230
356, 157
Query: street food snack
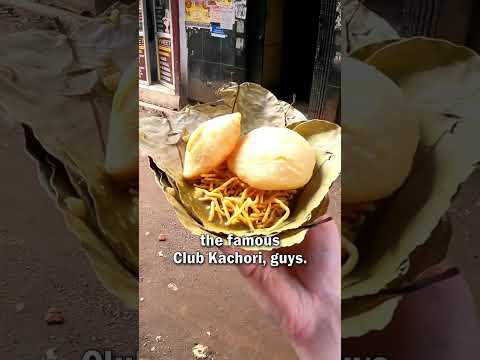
121, 159
250, 181
233, 201
272, 158
406, 230
273, 182
379, 140
210, 144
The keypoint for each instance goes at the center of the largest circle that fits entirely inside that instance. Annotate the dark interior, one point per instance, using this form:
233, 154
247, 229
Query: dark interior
213, 61
300, 31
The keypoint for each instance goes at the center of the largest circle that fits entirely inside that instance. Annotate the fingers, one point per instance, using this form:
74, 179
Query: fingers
245, 269
287, 292
275, 289
322, 250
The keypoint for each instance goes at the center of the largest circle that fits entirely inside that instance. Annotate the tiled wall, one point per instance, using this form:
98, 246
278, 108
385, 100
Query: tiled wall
213, 61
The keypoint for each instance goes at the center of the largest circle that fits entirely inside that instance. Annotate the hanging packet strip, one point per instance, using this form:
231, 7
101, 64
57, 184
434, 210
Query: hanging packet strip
241, 9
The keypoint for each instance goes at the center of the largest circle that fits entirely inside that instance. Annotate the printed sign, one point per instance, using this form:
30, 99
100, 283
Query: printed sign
239, 43
240, 26
142, 66
197, 14
165, 67
225, 16
217, 31
224, 3
140, 17
142, 56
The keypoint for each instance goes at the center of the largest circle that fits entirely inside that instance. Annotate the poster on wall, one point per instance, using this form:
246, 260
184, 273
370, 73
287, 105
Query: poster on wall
202, 13
223, 3
223, 15
197, 14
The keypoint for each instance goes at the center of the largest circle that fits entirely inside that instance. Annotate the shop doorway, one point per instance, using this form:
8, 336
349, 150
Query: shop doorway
300, 32
274, 46
219, 53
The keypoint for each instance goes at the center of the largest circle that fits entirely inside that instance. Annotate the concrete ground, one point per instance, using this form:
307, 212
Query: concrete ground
43, 266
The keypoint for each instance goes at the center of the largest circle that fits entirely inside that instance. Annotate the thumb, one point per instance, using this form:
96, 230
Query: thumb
277, 291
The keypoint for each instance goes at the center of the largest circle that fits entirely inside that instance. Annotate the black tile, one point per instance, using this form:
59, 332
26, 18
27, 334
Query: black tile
212, 72
195, 69
212, 49
240, 59
194, 44
228, 48
232, 73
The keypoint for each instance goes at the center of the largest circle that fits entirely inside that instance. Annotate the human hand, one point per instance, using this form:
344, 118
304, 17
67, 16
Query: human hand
304, 300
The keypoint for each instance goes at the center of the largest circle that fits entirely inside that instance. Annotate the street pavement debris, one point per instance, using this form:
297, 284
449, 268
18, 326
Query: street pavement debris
54, 316
201, 351
162, 237
19, 307
50, 354
173, 287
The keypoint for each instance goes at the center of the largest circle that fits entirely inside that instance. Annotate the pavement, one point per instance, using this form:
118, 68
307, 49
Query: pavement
42, 265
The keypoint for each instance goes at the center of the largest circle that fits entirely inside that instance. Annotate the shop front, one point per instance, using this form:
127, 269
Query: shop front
190, 48
159, 54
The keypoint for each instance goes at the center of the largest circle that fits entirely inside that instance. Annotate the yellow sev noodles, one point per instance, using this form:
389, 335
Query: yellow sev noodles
353, 217
350, 256
232, 201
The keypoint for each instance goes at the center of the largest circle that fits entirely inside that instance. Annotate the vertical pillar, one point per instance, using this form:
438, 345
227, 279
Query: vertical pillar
325, 91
